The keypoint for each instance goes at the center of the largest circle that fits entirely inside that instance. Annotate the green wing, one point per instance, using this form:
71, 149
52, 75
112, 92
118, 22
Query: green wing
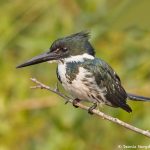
106, 77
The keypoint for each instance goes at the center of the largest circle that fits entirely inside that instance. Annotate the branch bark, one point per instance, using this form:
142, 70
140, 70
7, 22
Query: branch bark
95, 111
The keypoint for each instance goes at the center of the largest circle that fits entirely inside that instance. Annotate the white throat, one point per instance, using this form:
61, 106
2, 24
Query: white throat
78, 58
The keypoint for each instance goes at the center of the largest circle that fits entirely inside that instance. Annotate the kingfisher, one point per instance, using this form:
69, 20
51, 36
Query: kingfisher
84, 76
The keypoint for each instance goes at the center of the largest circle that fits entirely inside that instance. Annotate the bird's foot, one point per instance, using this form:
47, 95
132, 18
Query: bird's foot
75, 101
90, 110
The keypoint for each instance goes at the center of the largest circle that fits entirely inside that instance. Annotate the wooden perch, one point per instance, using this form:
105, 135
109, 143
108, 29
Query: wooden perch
95, 111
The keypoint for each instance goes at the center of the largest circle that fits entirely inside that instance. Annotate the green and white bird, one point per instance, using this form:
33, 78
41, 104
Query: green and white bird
84, 76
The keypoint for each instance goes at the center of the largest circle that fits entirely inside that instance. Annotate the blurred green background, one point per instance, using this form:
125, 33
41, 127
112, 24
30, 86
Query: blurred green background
38, 119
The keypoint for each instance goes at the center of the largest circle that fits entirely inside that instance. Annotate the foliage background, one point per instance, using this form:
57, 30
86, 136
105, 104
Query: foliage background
35, 120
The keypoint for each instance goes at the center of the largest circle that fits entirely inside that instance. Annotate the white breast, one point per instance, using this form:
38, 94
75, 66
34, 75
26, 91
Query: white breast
77, 88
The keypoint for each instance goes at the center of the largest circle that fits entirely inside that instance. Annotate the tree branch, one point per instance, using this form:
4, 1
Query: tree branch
95, 111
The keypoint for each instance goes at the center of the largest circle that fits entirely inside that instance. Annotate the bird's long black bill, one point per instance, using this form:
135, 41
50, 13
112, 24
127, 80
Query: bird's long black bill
39, 59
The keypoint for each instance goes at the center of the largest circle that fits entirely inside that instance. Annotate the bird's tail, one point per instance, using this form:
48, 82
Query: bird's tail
138, 98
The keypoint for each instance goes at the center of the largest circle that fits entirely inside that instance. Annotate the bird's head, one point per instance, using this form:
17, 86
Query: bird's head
75, 44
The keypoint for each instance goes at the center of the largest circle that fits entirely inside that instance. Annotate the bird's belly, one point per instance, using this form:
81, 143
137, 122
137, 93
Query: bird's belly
77, 89
81, 87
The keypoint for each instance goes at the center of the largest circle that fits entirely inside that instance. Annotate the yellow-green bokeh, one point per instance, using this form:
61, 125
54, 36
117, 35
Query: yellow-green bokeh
39, 120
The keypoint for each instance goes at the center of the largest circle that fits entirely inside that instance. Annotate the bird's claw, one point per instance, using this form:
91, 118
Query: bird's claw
90, 110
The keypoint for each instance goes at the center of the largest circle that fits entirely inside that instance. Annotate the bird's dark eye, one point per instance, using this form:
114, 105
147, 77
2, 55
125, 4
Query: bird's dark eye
59, 50
64, 49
